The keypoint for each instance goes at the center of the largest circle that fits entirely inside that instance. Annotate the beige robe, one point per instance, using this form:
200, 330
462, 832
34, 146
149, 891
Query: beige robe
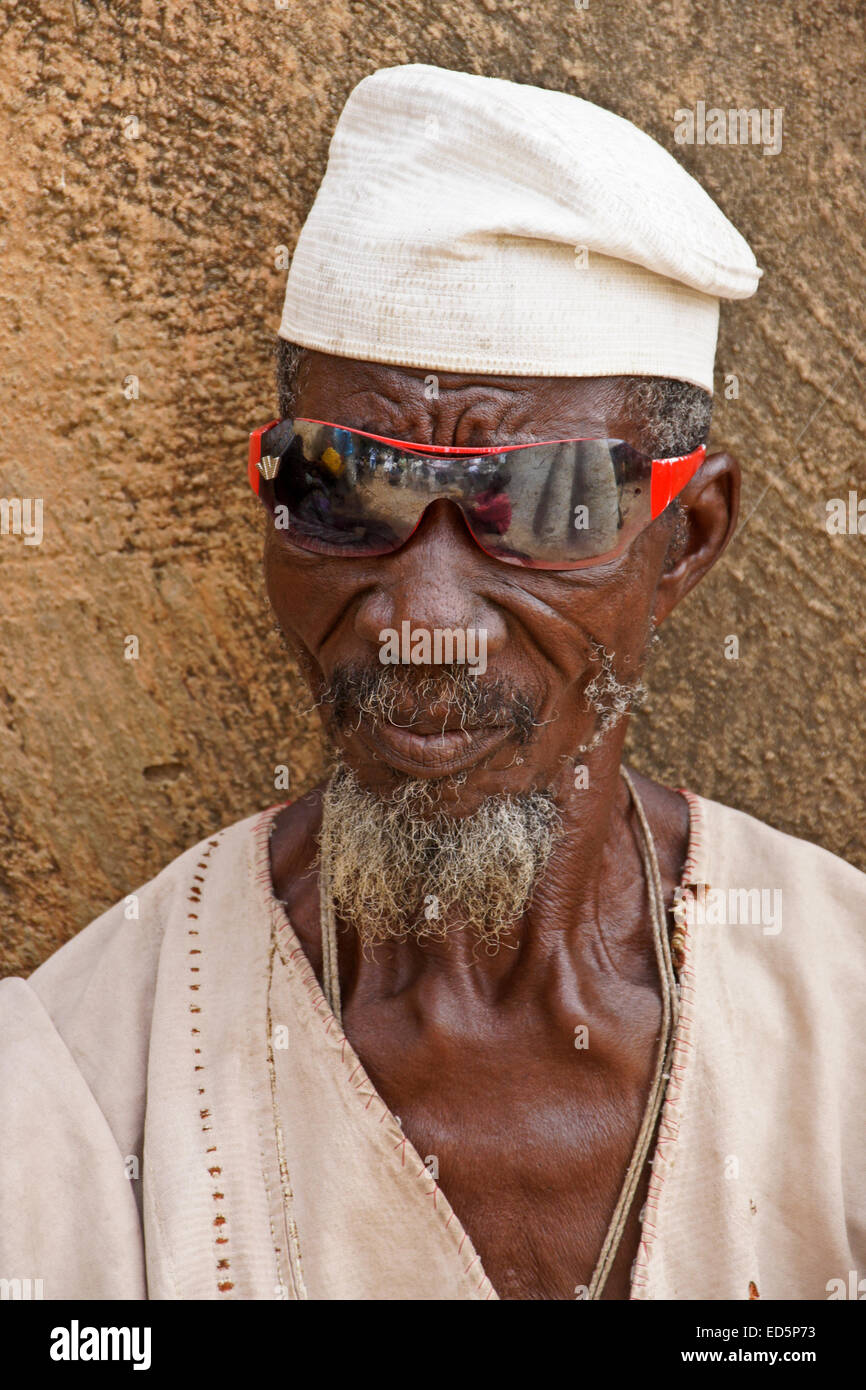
182, 1117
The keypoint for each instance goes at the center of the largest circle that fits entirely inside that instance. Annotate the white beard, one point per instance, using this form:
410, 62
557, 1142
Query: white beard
399, 867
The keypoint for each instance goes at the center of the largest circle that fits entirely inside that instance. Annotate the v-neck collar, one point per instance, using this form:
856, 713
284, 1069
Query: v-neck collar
372, 1109
356, 1078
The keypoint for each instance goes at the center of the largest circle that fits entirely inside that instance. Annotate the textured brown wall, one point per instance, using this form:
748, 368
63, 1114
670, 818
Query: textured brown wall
155, 257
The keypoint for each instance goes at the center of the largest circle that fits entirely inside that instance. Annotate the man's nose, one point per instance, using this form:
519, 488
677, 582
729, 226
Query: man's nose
437, 580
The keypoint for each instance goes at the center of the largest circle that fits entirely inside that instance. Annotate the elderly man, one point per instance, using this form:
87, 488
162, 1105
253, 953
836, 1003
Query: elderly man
487, 1016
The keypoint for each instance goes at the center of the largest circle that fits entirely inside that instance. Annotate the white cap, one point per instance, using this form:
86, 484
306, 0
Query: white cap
470, 224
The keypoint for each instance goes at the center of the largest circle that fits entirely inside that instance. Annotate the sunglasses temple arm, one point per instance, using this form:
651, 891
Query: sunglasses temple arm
669, 477
254, 471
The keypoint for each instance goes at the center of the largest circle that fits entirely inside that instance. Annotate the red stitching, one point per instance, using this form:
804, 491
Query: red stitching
307, 978
214, 1170
696, 837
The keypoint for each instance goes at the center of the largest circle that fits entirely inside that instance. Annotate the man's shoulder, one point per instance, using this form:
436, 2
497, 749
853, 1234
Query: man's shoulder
111, 964
134, 925
728, 838
818, 895
94, 997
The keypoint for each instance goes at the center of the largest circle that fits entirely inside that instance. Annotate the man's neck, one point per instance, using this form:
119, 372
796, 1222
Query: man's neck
589, 906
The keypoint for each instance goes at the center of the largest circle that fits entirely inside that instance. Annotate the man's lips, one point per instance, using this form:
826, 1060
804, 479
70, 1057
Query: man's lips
425, 749
437, 718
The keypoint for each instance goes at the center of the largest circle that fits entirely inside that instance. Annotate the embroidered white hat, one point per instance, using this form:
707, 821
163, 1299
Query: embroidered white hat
471, 224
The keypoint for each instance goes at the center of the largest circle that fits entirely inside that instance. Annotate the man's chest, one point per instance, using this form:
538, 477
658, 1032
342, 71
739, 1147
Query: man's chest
529, 1137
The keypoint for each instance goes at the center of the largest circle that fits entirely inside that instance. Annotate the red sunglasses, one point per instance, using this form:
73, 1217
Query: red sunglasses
559, 504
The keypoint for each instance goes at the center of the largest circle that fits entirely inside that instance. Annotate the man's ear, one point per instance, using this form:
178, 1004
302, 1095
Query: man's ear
712, 504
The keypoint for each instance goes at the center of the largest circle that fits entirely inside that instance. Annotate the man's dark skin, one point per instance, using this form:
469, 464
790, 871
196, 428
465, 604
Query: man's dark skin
474, 1051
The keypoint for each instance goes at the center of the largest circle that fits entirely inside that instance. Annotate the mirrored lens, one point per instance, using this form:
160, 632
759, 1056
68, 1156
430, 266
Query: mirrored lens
564, 504
551, 505
327, 506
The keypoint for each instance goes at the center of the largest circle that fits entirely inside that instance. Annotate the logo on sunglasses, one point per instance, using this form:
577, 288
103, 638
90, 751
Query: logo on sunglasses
439, 646
268, 465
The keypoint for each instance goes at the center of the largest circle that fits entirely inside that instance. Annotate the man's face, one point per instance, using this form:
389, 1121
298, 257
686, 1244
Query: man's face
549, 633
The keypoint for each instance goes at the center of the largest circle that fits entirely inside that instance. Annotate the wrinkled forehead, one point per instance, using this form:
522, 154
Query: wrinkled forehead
420, 403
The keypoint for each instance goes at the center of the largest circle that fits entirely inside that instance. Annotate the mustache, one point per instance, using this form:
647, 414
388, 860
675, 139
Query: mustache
388, 694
